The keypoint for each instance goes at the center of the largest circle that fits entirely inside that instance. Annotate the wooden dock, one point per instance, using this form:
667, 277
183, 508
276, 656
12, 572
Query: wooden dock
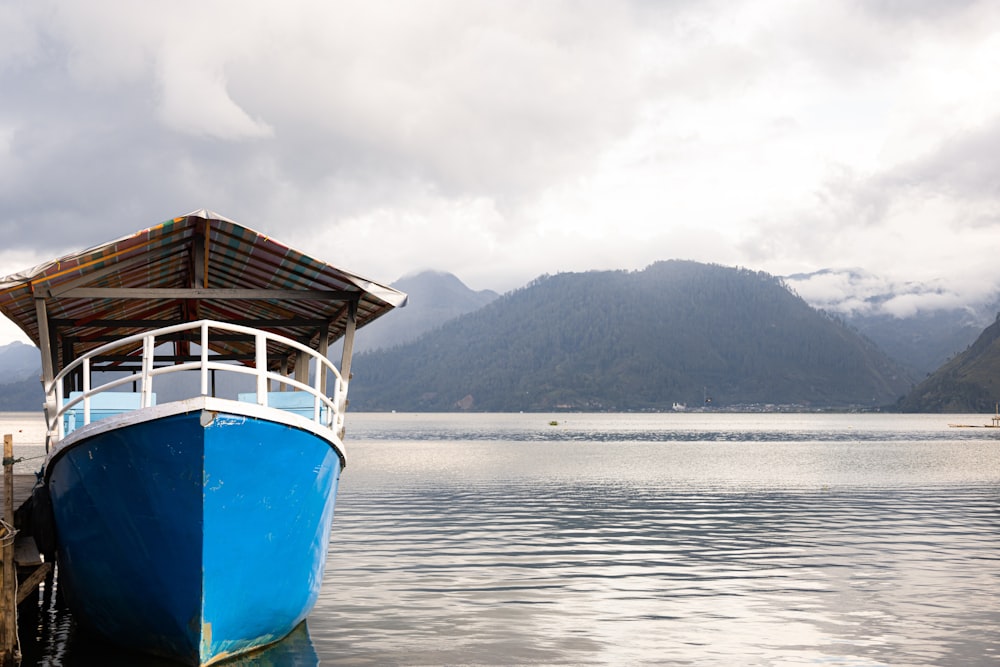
23, 569
23, 484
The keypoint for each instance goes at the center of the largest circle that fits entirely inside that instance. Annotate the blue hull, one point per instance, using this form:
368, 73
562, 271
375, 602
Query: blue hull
194, 536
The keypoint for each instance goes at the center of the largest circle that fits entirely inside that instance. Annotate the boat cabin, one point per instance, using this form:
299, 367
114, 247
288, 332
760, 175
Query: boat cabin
196, 306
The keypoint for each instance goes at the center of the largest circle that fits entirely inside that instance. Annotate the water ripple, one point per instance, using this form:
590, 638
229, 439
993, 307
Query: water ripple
612, 574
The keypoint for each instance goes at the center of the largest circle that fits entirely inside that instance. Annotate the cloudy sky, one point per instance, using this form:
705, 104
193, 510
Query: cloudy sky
504, 140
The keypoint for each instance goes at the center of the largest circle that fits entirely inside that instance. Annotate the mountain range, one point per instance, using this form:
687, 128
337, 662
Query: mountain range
913, 345
676, 332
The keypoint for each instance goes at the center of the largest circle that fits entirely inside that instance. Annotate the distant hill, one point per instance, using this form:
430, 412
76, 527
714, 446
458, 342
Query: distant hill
20, 370
615, 340
434, 297
22, 396
19, 361
968, 383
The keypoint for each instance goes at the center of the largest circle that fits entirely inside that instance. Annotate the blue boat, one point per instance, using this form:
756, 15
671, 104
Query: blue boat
195, 429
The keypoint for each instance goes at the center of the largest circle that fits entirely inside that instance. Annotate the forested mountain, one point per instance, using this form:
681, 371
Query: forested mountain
615, 340
968, 383
433, 297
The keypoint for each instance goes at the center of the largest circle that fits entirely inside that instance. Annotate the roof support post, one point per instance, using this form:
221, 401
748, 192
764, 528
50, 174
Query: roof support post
345, 367
71, 383
48, 366
302, 367
349, 328
45, 340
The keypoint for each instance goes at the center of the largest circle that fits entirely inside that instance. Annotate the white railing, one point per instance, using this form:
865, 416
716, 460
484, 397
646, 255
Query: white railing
332, 417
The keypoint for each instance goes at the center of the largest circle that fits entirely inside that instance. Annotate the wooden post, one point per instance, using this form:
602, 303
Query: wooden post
302, 367
7, 648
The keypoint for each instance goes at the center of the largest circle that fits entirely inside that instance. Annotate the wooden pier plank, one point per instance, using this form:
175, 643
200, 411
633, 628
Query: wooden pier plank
28, 586
23, 484
19, 556
8, 601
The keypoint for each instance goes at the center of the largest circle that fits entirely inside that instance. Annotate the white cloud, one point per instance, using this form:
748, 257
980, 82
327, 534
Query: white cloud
14, 262
196, 101
859, 292
501, 141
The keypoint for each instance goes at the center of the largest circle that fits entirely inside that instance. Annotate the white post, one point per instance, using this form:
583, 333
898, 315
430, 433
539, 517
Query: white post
318, 382
323, 348
261, 344
54, 414
204, 358
148, 353
86, 391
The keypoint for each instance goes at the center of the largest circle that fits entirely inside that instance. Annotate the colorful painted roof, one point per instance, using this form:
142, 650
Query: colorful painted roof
197, 266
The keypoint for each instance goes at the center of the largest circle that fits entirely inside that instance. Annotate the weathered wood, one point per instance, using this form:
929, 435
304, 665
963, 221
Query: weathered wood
202, 293
28, 586
8, 631
42, 287
143, 324
23, 485
302, 367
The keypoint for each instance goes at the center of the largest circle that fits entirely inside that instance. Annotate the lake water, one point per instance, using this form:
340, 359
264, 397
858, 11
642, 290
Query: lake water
675, 539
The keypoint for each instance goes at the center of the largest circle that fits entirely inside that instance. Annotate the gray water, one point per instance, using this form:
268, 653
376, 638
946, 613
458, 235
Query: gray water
676, 539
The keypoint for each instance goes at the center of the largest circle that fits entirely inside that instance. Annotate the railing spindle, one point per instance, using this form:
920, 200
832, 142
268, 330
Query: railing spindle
146, 384
260, 341
86, 390
204, 358
57, 405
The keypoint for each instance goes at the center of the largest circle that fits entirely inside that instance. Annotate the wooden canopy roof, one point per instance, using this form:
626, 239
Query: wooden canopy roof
197, 266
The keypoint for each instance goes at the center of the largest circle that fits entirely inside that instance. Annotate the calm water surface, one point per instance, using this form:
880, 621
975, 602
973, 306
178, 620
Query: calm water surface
677, 539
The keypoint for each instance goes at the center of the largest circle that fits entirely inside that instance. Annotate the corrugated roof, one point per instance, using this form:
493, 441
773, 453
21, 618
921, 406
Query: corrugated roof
200, 251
